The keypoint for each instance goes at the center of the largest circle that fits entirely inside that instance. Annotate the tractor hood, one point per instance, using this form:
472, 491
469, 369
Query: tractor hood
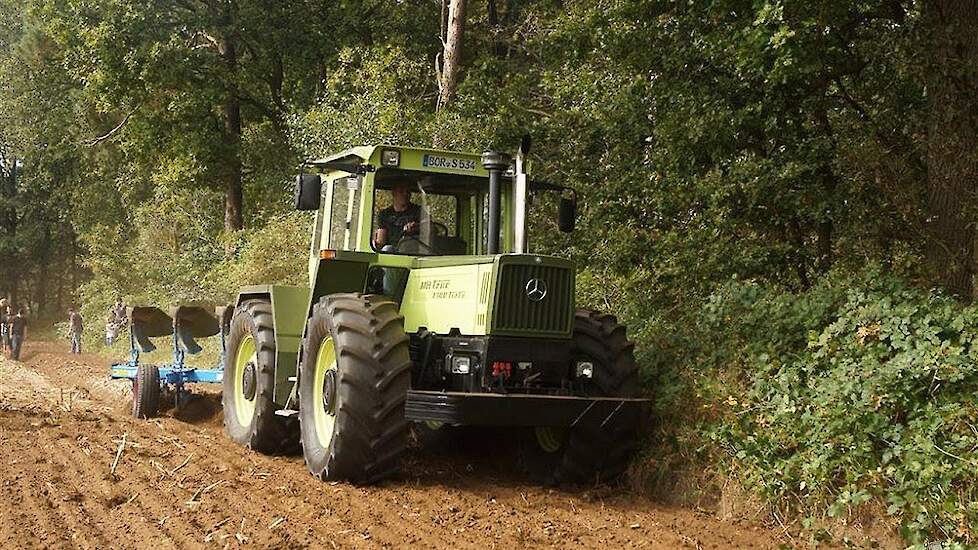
506, 295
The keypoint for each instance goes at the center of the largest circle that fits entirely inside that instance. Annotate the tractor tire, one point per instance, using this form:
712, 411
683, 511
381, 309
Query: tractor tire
249, 382
353, 381
590, 453
146, 392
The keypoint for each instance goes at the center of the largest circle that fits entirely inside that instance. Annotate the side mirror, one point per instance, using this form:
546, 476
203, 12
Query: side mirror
308, 189
567, 214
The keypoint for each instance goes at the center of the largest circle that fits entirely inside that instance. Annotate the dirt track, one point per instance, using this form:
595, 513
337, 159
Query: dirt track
180, 483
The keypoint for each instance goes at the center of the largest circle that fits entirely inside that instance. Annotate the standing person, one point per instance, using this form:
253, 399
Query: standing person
111, 330
18, 333
4, 329
119, 310
116, 321
75, 329
8, 317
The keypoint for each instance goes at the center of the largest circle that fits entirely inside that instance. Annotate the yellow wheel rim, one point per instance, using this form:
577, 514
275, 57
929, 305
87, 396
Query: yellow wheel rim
549, 439
325, 420
434, 424
244, 408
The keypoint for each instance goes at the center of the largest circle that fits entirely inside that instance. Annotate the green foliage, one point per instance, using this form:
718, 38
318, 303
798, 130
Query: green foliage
738, 163
278, 252
358, 108
851, 393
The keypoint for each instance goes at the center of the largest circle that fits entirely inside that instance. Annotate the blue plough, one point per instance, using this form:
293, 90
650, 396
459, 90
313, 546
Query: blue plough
185, 324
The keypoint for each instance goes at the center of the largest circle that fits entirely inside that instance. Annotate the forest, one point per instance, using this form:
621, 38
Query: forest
777, 198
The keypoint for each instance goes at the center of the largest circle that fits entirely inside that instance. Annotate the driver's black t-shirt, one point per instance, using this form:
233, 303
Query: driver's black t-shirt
394, 221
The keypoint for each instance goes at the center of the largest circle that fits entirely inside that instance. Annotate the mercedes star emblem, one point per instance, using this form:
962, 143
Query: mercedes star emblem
536, 289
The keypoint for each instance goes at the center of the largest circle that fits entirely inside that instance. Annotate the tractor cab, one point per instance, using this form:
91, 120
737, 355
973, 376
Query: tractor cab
454, 204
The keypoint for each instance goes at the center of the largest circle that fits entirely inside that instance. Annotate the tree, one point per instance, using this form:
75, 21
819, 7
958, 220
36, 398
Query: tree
9, 276
952, 145
453, 38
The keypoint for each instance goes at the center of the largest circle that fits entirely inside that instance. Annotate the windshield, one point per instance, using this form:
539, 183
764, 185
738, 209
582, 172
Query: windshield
434, 214
409, 220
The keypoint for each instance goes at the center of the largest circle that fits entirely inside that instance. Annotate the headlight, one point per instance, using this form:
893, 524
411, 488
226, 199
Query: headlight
585, 369
461, 364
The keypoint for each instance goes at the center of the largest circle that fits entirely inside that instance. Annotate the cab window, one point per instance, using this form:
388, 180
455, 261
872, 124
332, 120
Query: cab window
343, 215
410, 219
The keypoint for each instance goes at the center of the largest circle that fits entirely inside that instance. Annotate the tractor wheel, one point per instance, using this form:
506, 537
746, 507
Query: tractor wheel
591, 453
146, 392
354, 378
249, 381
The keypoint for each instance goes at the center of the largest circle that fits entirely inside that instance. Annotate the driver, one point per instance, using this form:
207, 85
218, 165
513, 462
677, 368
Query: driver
399, 219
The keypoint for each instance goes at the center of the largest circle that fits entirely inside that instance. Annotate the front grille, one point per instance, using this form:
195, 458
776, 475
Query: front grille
516, 312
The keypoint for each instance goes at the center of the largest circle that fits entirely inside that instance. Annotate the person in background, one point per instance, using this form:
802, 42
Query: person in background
18, 333
119, 310
75, 328
111, 331
116, 322
4, 329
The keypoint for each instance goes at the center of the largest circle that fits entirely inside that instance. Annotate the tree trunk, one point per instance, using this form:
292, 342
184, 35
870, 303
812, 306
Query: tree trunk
826, 226
452, 57
9, 263
498, 48
41, 285
233, 198
799, 258
952, 154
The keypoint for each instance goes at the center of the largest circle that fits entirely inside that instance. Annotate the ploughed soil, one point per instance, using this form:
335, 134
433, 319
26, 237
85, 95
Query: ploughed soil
77, 471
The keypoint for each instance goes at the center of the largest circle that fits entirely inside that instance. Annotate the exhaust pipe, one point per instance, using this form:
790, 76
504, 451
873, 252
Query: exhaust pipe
496, 163
519, 198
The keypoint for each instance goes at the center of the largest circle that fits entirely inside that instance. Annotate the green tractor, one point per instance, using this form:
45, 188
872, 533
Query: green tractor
425, 311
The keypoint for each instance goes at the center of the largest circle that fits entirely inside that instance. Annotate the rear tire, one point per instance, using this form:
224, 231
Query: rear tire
354, 378
249, 382
146, 392
590, 453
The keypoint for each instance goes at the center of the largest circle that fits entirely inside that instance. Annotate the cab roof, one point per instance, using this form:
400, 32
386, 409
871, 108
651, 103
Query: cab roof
353, 160
362, 153
353, 155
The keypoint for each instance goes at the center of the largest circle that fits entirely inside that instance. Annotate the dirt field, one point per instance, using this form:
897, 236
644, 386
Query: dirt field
180, 483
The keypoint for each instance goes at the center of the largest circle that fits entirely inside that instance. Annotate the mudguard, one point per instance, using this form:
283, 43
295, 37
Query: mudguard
290, 305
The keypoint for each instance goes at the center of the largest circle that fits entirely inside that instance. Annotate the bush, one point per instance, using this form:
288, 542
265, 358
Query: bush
848, 394
276, 253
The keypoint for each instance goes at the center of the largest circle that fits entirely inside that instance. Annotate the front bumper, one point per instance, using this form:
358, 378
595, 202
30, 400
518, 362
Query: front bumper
493, 409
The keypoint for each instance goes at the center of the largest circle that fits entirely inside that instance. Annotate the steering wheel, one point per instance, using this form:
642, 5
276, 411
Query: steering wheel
440, 230
408, 241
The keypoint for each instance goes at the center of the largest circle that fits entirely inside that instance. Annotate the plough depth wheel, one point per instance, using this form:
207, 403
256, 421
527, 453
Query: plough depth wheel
146, 392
